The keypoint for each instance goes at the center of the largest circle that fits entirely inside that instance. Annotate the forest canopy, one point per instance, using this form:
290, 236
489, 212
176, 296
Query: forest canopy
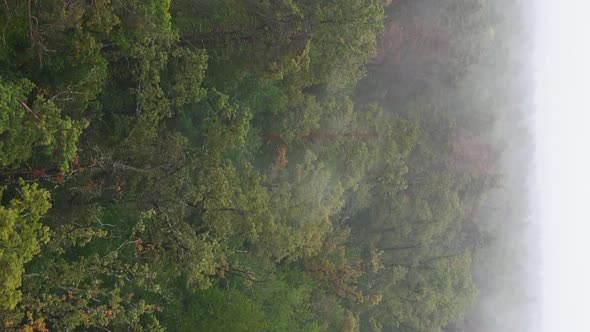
255, 165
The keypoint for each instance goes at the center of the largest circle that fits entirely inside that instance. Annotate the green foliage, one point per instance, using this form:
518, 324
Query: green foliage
209, 310
345, 40
223, 166
21, 237
275, 304
26, 128
187, 71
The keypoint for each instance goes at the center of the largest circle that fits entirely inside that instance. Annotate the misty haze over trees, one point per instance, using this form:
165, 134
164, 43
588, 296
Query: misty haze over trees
265, 165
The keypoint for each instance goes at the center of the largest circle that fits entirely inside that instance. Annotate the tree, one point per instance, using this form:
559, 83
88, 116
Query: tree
26, 128
21, 237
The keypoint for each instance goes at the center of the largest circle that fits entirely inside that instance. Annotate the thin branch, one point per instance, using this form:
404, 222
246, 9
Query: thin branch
29, 110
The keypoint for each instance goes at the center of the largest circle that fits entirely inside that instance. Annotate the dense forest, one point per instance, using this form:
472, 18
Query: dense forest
263, 165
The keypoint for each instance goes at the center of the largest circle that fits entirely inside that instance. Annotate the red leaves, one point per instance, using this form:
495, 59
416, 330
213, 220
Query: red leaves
270, 137
60, 177
92, 184
43, 92
421, 36
38, 172
40, 325
139, 244
390, 41
31, 325
280, 160
475, 154
76, 164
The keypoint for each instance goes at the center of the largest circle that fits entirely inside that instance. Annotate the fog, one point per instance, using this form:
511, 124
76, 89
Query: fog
500, 87
562, 162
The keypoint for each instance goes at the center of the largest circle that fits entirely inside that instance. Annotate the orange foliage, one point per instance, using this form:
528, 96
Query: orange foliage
139, 244
280, 160
38, 172
40, 325
61, 176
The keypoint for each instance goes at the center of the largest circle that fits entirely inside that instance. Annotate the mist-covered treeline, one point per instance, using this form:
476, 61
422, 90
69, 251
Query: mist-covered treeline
484, 94
263, 165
